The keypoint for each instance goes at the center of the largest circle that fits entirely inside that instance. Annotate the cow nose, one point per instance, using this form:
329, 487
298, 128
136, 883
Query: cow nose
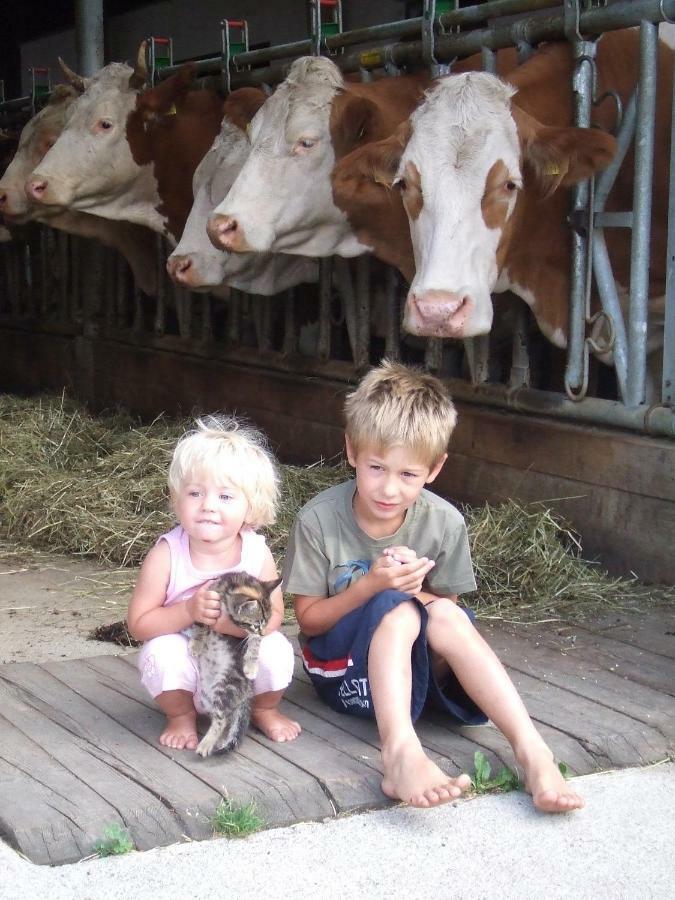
225, 233
36, 189
179, 268
435, 313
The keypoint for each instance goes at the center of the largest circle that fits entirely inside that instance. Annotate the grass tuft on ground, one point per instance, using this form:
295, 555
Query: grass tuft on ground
231, 820
96, 486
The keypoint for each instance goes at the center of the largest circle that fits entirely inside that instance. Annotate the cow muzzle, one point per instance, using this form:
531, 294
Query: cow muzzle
227, 233
181, 269
444, 314
13, 206
46, 192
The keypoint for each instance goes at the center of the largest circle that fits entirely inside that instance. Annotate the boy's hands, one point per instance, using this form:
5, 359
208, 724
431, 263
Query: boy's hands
204, 605
399, 569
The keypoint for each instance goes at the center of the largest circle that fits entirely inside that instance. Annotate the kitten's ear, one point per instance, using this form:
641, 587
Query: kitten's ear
272, 585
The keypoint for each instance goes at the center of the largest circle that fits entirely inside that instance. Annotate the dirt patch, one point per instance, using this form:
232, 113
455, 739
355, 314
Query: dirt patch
50, 604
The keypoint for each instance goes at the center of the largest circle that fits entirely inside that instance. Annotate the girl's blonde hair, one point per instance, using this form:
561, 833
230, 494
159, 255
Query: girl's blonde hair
225, 447
397, 405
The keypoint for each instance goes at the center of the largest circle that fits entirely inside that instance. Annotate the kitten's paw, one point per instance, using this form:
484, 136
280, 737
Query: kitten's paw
205, 746
250, 669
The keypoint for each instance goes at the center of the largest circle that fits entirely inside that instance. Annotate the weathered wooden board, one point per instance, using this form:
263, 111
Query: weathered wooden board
79, 744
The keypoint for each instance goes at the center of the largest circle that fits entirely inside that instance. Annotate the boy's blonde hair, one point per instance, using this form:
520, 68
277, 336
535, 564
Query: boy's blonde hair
224, 447
396, 405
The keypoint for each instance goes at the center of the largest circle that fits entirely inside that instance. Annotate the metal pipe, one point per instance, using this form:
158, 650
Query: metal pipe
576, 373
89, 36
533, 30
657, 421
642, 208
668, 387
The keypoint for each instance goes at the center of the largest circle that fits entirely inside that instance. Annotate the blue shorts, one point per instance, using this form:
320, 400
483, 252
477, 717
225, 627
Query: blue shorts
337, 663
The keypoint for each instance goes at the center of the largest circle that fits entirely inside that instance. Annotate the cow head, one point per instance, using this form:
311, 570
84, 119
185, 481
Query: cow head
282, 198
471, 163
196, 263
91, 162
37, 137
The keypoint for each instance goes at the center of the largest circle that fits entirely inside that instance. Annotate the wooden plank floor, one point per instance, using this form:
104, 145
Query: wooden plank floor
79, 751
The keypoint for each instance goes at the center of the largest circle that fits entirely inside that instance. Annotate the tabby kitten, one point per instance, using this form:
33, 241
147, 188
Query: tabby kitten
228, 665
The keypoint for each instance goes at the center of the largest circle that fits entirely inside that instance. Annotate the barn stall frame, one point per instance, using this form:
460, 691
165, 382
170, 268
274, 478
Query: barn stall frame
71, 316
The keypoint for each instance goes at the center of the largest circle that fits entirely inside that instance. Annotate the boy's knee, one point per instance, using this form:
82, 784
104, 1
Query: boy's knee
444, 612
405, 614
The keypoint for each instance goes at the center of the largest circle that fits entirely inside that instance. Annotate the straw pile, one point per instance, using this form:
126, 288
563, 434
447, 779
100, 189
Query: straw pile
96, 486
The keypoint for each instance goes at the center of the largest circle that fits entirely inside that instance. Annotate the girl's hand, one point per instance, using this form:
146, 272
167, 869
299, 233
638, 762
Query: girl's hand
204, 605
388, 574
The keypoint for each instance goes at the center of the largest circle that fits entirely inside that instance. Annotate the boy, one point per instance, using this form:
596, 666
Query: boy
375, 566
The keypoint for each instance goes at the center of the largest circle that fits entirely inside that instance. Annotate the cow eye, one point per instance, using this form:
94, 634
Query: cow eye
306, 143
400, 183
510, 186
105, 124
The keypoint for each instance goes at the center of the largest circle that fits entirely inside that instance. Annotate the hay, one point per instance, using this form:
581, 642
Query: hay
96, 486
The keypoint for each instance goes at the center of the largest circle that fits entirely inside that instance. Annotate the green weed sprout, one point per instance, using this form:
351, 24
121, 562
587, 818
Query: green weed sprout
505, 780
231, 820
116, 841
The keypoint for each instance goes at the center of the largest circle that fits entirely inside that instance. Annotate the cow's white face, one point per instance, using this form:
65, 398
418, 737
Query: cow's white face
91, 167
282, 199
37, 137
196, 263
459, 176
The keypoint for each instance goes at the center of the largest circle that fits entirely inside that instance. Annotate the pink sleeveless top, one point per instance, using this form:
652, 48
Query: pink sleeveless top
185, 579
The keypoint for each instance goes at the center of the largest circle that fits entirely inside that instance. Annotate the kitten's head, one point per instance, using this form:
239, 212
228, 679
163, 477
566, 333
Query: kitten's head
246, 600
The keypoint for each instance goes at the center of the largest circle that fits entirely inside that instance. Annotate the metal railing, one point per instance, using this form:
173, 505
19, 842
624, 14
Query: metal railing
351, 296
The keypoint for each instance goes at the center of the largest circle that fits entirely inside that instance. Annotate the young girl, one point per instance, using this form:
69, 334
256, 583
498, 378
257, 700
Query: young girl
223, 485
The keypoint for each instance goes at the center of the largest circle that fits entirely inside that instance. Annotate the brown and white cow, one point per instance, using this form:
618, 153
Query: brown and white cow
128, 154
195, 263
135, 243
282, 199
482, 168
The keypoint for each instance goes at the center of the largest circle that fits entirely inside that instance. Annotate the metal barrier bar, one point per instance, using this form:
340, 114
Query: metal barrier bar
654, 420
642, 207
576, 374
533, 30
668, 379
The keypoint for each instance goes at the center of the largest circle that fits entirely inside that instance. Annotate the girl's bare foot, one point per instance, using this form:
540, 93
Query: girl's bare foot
543, 779
180, 732
411, 776
274, 724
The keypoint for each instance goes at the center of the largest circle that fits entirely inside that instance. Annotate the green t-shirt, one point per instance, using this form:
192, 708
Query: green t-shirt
327, 550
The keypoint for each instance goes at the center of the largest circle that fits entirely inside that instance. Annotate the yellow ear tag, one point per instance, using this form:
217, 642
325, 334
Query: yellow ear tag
172, 110
248, 130
552, 169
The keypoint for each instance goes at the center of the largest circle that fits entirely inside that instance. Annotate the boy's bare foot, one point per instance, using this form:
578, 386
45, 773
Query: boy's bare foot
274, 725
543, 779
180, 732
411, 776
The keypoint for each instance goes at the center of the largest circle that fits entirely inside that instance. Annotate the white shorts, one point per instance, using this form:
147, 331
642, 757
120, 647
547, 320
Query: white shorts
166, 664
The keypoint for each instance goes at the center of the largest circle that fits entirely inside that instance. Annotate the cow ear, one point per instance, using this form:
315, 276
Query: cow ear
60, 93
353, 121
561, 157
384, 157
161, 99
241, 105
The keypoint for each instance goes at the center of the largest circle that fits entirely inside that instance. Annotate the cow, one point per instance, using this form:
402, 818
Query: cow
135, 243
130, 154
195, 263
281, 200
481, 169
